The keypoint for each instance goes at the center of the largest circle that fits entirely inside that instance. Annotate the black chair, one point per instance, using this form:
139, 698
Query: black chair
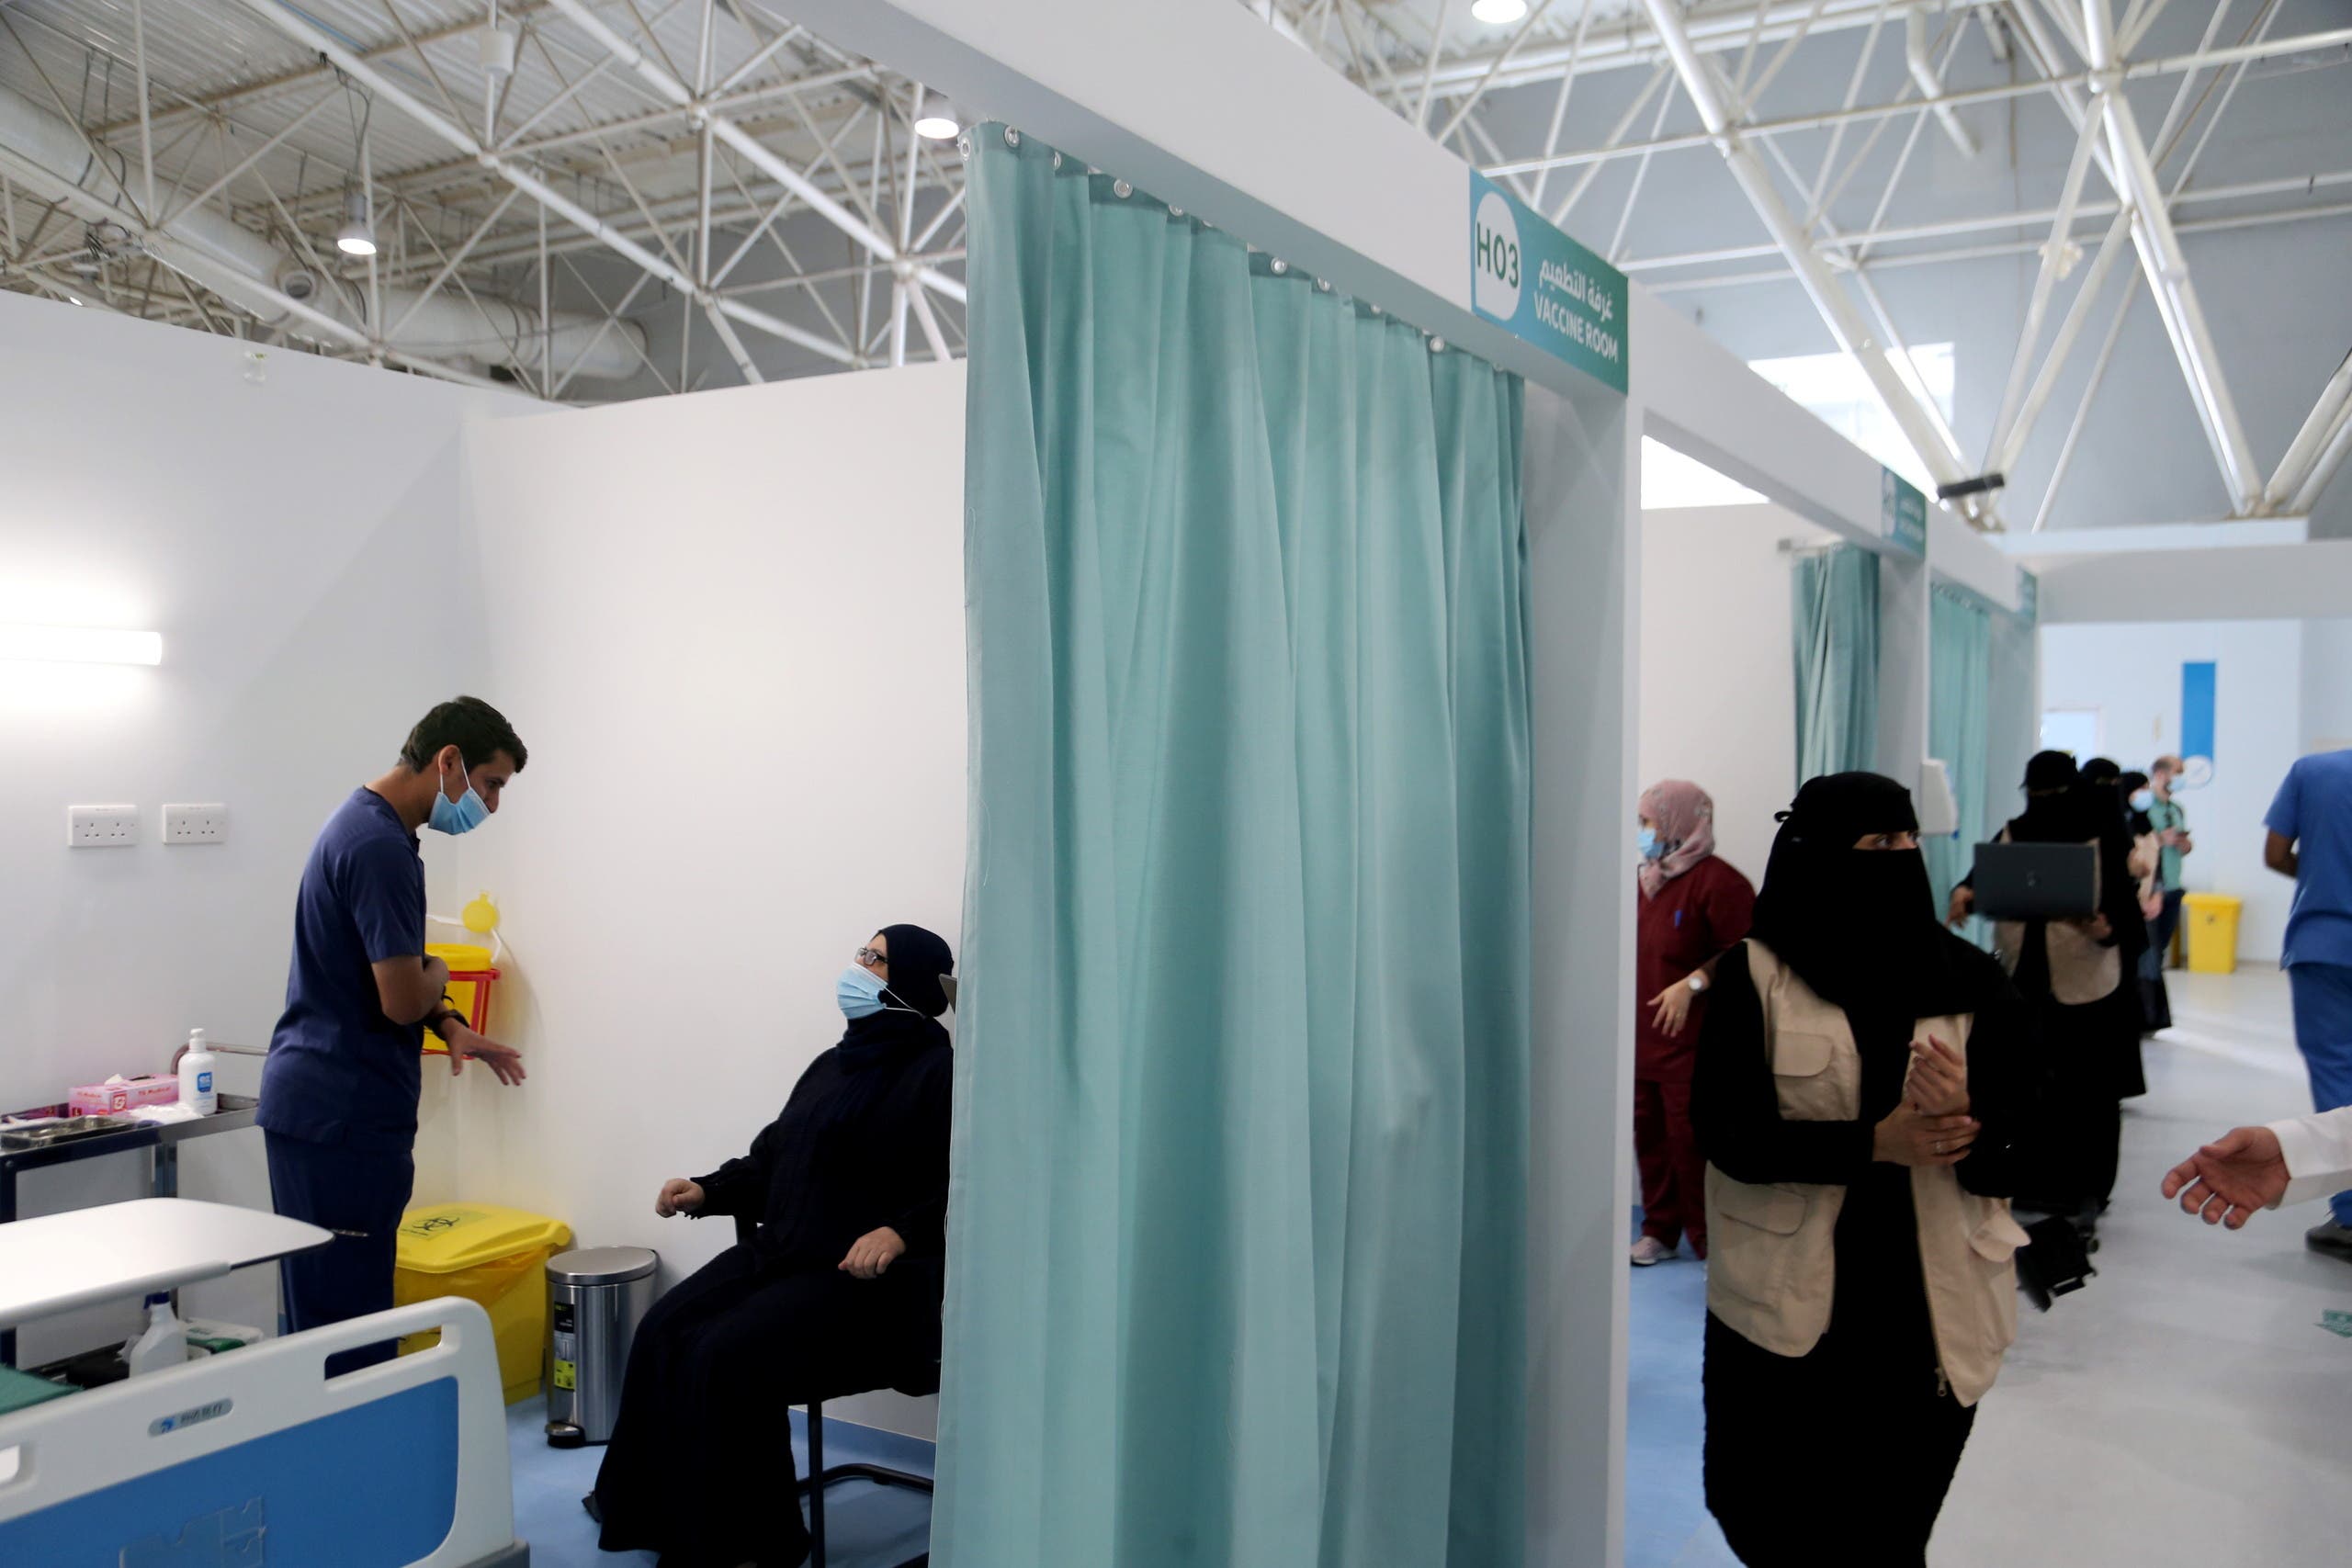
814, 1483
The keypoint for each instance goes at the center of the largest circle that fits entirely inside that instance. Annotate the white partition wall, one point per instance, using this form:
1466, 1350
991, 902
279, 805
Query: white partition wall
1718, 670
283, 521
730, 630
1583, 597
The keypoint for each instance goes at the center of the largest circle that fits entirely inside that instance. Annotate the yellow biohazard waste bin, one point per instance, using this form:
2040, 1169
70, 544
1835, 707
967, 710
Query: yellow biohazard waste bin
2212, 920
496, 1257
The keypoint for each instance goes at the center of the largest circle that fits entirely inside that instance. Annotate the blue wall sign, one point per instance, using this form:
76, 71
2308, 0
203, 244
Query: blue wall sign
1546, 289
1901, 512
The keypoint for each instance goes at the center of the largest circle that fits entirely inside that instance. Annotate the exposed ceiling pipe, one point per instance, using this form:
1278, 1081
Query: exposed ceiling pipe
1838, 311
2339, 446
265, 281
1923, 72
2303, 453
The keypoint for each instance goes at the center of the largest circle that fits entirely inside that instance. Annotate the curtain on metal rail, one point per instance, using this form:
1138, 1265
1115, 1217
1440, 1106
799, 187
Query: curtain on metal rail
1236, 1273
1835, 622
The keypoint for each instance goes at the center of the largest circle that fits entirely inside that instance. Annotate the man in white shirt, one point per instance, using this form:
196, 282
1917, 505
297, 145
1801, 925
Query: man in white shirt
2261, 1167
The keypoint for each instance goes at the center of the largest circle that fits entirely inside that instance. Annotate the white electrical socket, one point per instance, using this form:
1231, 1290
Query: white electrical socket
101, 827
195, 824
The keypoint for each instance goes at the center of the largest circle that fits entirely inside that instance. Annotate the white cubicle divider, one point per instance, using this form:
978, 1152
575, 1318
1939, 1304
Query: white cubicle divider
257, 1456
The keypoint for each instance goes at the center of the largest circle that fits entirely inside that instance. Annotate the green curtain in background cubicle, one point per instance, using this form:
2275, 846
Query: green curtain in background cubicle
1835, 594
1236, 1263
1959, 702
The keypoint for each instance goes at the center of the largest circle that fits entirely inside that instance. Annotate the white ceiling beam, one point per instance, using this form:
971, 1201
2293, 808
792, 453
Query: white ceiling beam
2167, 265
1931, 85
1837, 310
2232, 532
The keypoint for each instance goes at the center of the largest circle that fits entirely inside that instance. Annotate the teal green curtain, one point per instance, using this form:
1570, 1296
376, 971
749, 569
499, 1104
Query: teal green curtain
1960, 706
1835, 604
1236, 1267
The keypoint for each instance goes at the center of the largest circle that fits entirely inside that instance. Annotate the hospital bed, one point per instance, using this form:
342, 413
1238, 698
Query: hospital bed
255, 1458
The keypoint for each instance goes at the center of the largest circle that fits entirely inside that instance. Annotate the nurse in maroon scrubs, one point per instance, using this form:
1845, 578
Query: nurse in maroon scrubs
1693, 905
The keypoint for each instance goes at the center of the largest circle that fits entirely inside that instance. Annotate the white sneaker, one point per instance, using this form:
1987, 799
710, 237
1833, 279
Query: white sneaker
1650, 1250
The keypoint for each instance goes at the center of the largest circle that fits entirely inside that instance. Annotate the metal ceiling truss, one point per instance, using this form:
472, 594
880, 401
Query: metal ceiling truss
1720, 55
677, 135
680, 136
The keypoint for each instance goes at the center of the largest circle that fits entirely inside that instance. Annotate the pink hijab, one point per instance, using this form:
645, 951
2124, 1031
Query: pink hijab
1685, 815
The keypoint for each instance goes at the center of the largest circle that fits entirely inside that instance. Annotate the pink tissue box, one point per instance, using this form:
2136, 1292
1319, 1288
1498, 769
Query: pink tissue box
113, 1098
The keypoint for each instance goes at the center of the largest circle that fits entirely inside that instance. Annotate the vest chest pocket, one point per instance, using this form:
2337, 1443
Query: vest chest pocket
1803, 1079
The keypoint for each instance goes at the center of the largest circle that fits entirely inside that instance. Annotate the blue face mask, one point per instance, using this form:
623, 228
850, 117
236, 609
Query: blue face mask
460, 816
859, 992
2143, 799
1646, 841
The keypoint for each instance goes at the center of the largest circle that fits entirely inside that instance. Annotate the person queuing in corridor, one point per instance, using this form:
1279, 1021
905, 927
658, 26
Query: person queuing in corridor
2170, 825
2310, 840
339, 1090
2081, 977
1863, 1091
1692, 905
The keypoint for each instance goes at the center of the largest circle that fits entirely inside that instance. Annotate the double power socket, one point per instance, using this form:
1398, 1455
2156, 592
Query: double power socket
116, 827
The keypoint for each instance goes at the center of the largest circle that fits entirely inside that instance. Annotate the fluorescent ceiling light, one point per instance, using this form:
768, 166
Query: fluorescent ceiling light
1499, 12
1670, 479
81, 645
938, 120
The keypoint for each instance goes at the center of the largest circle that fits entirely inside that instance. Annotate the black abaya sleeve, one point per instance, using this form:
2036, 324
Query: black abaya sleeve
2005, 1096
923, 1224
740, 1186
1736, 1111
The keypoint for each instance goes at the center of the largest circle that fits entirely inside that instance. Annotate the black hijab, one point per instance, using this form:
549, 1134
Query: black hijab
874, 1048
2062, 807
1859, 926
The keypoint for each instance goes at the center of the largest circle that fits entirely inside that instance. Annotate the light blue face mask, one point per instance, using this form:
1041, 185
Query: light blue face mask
460, 816
1646, 841
859, 992
2143, 799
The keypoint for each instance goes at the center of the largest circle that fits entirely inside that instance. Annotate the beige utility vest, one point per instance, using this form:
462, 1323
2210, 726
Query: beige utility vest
1771, 1260
2082, 969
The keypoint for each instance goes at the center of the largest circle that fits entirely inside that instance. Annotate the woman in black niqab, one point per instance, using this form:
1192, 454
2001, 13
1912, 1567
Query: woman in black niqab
2092, 1042
1847, 906
837, 1292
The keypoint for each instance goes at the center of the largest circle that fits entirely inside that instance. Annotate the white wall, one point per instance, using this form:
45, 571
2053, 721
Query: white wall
1583, 592
2132, 674
730, 630
1718, 668
299, 545
2327, 685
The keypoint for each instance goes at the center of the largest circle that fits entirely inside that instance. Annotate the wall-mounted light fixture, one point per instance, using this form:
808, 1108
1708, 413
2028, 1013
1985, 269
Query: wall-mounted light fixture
81, 645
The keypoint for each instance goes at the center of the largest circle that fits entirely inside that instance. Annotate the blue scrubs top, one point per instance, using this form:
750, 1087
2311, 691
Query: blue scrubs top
2314, 808
339, 1071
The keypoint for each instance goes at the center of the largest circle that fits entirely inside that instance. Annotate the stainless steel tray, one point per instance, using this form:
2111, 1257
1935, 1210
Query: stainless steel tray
45, 1134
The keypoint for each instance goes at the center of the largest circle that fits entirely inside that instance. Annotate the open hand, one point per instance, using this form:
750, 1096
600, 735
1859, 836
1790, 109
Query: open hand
504, 1060
2224, 1182
1672, 1014
1912, 1137
679, 1196
871, 1255
1938, 1080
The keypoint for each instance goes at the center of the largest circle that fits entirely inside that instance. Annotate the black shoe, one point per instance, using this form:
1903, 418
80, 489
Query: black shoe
2331, 1238
595, 1509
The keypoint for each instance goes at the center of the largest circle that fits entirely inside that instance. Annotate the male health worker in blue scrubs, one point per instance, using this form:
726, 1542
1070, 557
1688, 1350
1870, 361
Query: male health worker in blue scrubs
339, 1090
2311, 840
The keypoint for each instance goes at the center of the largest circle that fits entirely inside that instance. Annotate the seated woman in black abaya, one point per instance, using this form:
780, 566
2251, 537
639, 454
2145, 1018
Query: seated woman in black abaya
838, 1293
